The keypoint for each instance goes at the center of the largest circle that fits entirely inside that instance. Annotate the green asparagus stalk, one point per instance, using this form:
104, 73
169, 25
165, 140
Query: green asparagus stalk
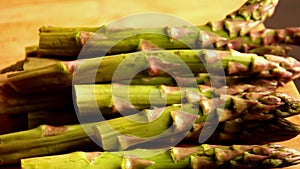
264, 41
241, 37
127, 99
163, 127
26, 63
124, 135
43, 140
69, 41
154, 63
205, 79
16, 103
258, 130
204, 156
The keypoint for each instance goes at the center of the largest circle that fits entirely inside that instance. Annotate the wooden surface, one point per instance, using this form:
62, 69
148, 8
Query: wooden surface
20, 21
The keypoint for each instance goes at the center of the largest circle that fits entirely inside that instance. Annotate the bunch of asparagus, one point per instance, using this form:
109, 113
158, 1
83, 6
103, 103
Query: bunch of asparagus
157, 90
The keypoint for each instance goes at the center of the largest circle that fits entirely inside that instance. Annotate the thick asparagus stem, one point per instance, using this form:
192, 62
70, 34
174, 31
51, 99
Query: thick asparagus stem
204, 156
42, 140
129, 99
163, 127
207, 36
155, 63
125, 133
69, 41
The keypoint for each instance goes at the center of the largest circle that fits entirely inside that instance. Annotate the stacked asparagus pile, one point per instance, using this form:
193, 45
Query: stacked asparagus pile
159, 89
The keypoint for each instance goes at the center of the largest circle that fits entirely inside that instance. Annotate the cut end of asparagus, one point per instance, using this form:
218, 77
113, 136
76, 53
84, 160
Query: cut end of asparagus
41, 79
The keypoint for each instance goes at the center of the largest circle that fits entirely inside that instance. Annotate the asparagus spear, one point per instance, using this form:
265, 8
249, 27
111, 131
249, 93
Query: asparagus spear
162, 127
68, 41
264, 41
205, 79
241, 37
157, 62
43, 140
125, 133
16, 103
204, 156
128, 99
239, 131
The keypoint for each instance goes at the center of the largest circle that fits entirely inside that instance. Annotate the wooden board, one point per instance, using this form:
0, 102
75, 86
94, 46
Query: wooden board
20, 21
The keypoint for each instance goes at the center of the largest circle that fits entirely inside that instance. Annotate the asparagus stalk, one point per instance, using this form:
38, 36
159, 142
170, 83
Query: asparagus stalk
264, 41
239, 131
129, 99
205, 79
204, 156
241, 37
154, 63
162, 127
125, 132
43, 140
69, 41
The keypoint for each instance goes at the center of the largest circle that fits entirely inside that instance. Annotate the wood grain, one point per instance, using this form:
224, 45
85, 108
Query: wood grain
20, 21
